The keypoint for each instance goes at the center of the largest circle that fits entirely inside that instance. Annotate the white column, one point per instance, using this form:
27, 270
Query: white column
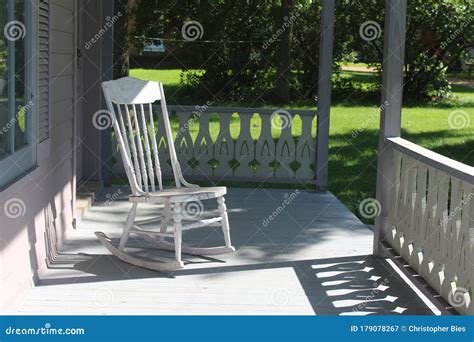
324, 92
391, 108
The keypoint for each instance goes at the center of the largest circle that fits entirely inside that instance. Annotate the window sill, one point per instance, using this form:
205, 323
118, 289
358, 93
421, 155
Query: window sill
11, 184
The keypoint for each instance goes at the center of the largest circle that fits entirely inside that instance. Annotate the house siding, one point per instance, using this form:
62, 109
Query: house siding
29, 242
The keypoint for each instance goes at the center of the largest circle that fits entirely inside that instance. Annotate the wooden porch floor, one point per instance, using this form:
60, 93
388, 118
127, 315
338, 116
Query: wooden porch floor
313, 258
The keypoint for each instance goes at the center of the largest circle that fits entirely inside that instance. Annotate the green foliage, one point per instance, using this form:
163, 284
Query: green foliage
439, 34
238, 48
234, 67
442, 33
239, 52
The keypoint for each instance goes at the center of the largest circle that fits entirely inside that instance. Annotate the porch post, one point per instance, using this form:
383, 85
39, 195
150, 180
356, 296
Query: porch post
97, 67
324, 92
107, 61
391, 108
91, 91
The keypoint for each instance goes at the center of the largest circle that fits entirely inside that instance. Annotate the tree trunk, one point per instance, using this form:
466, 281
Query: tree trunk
121, 38
282, 86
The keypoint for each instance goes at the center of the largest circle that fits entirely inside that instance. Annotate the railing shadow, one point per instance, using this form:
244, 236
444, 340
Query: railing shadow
359, 285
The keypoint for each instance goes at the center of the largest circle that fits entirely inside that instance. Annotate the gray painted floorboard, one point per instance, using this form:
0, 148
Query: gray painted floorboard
313, 258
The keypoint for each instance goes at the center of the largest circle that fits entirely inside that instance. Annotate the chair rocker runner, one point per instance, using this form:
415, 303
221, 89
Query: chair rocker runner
129, 102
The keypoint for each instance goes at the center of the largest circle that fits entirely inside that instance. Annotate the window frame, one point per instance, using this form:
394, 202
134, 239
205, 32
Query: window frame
18, 163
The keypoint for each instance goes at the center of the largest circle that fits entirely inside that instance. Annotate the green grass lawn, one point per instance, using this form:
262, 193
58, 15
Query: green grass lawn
167, 77
354, 134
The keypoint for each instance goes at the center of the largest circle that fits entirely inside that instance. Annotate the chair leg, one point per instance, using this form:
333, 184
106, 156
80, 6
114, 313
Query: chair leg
177, 231
128, 226
225, 220
165, 220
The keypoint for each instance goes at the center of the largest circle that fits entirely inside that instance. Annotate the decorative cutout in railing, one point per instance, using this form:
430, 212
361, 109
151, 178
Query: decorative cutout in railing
220, 156
431, 220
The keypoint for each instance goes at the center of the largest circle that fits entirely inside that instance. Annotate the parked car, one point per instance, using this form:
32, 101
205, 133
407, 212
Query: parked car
155, 48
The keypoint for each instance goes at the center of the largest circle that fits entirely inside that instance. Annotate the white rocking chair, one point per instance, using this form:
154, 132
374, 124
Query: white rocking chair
129, 102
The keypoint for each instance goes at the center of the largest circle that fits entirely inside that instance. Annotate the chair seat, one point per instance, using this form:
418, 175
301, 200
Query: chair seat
177, 195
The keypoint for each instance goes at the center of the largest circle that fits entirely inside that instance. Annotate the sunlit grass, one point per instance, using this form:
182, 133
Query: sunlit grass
169, 76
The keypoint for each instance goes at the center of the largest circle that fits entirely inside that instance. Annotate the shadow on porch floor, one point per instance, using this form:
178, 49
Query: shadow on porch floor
313, 258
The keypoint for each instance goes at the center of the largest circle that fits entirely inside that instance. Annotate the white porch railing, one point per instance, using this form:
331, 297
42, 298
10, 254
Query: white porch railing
431, 220
266, 158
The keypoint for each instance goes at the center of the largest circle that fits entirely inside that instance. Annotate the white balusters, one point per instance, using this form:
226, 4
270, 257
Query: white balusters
285, 149
224, 148
244, 151
203, 147
431, 223
184, 142
261, 152
305, 151
418, 216
265, 149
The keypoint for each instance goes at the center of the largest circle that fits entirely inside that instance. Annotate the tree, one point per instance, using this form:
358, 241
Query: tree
439, 34
284, 24
122, 9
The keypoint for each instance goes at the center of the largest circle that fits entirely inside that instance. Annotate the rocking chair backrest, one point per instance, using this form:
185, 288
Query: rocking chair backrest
129, 101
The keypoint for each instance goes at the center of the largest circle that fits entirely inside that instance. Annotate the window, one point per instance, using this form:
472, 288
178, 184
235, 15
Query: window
17, 128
